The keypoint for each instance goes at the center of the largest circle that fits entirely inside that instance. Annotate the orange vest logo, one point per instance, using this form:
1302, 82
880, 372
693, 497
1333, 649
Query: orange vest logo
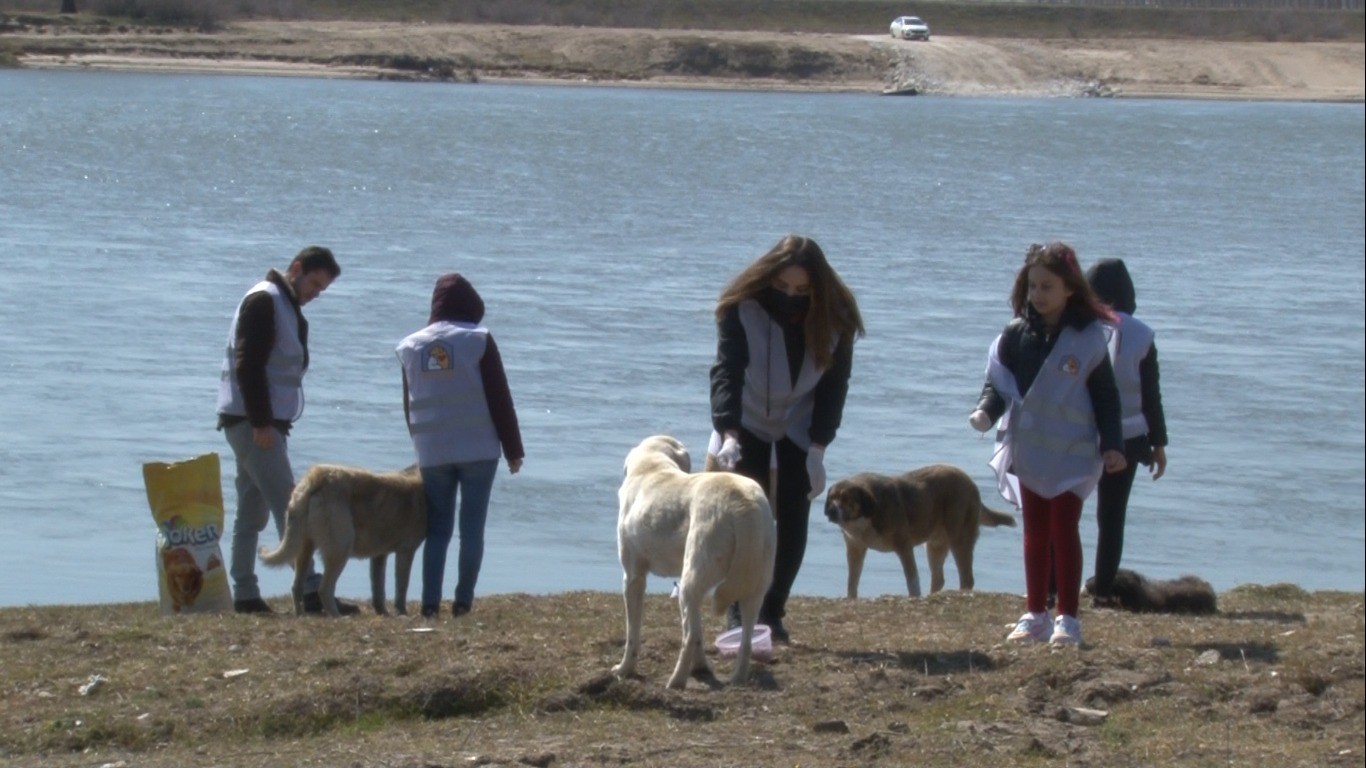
436, 358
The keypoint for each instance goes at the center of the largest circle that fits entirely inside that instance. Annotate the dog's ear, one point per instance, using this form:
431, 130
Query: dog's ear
682, 459
858, 499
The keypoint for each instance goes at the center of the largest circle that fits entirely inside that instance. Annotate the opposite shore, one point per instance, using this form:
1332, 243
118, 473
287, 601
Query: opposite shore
811, 61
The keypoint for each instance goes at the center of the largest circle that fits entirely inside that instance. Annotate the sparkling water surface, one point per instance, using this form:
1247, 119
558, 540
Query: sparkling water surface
600, 224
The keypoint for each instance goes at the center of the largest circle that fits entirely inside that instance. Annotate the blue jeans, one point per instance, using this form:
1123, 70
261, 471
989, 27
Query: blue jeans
264, 483
474, 481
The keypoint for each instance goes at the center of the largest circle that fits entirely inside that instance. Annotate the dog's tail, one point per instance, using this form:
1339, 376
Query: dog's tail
751, 566
990, 518
296, 520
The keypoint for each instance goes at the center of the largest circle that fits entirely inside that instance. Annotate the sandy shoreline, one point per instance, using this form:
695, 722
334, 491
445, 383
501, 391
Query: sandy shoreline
954, 66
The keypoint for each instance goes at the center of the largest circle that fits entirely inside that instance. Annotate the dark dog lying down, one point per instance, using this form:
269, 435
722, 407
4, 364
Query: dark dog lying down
1135, 592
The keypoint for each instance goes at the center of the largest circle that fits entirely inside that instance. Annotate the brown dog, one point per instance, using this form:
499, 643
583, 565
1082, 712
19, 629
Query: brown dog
345, 512
1132, 591
938, 506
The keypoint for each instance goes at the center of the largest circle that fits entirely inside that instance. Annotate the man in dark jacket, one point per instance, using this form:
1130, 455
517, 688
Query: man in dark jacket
260, 396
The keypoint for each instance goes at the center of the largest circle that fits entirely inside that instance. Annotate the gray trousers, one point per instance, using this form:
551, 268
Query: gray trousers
264, 483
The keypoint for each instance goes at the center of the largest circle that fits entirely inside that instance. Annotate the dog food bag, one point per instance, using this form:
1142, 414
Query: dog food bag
187, 506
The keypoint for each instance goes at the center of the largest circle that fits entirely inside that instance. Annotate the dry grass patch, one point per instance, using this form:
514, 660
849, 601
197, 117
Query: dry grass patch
1275, 679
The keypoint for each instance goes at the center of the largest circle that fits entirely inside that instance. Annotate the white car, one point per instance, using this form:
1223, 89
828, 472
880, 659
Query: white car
910, 28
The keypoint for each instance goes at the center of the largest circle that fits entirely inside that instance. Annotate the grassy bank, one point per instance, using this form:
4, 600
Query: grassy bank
980, 19
1275, 679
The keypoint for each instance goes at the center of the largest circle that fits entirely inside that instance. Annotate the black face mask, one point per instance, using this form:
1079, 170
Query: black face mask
789, 308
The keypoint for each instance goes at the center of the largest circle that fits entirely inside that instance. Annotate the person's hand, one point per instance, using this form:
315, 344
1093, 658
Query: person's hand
815, 469
264, 437
980, 421
1114, 461
514, 465
729, 455
1159, 466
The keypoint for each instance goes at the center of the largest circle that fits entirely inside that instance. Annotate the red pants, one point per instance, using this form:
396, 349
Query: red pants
1052, 541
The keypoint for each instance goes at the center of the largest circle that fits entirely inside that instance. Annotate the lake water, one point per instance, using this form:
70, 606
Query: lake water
599, 225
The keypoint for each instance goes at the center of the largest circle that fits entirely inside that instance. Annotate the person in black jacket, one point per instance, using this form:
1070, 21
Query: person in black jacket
1134, 357
260, 396
1049, 374
786, 327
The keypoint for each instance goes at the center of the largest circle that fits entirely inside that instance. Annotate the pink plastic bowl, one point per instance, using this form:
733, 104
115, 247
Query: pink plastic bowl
760, 645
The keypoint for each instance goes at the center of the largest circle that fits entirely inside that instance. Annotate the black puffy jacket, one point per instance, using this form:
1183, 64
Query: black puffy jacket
1024, 345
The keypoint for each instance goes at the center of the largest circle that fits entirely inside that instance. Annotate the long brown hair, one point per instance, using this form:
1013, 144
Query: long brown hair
834, 311
1061, 260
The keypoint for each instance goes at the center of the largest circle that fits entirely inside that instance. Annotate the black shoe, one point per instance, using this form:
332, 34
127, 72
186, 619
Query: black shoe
430, 611
733, 616
459, 609
313, 603
254, 605
776, 630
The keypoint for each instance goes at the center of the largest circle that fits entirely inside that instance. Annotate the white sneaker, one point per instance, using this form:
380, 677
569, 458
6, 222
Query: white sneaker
1066, 631
1031, 628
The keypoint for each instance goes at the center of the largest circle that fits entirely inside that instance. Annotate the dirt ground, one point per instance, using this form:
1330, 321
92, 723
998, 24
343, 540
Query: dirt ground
956, 66
1273, 679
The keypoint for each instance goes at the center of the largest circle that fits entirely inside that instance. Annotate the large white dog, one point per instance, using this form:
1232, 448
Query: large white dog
712, 530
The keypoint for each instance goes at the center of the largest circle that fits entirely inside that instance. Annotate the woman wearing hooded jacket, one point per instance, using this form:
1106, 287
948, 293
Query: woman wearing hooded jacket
1134, 357
460, 416
785, 340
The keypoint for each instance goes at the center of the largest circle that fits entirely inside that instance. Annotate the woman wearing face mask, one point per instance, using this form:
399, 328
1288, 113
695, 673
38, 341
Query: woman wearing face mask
786, 327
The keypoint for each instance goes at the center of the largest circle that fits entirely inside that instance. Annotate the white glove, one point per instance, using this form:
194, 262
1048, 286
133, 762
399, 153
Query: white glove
815, 469
729, 455
980, 421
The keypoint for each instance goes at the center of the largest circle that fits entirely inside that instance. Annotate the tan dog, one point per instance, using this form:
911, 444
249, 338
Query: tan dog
938, 506
713, 530
346, 512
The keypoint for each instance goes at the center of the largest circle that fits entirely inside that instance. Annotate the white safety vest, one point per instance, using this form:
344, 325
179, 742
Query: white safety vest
448, 413
284, 368
773, 406
1130, 340
1048, 440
